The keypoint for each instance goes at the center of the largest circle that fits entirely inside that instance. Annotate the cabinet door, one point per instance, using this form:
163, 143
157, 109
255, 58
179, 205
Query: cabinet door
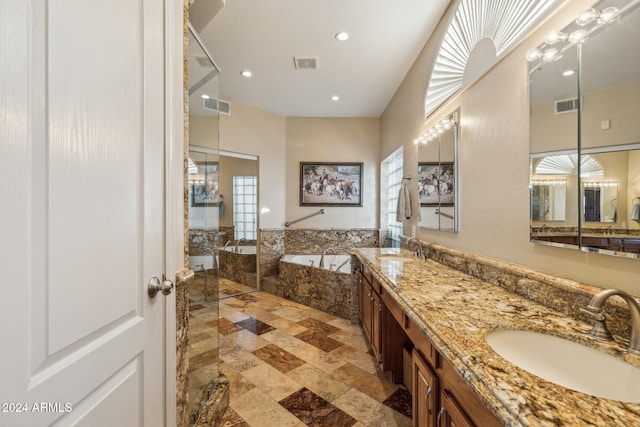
451, 414
367, 310
362, 297
376, 325
425, 392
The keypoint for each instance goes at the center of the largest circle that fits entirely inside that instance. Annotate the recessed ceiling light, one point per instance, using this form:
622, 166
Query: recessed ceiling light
246, 73
335, 98
569, 73
205, 96
342, 36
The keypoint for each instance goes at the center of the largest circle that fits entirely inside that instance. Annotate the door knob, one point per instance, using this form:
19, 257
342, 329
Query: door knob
156, 286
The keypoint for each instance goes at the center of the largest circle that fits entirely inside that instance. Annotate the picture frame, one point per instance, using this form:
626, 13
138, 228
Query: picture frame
204, 185
330, 184
436, 184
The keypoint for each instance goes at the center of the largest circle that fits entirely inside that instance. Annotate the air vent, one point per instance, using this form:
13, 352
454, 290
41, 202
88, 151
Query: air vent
309, 63
219, 105
563, 106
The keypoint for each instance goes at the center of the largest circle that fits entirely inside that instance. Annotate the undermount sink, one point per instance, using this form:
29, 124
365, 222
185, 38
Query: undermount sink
395, 258
568, 364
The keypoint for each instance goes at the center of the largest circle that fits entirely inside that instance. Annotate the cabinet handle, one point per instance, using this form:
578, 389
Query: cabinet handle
427, 398
440, 414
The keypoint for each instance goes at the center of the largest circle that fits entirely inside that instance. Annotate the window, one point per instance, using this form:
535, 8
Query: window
391, 181
244, 206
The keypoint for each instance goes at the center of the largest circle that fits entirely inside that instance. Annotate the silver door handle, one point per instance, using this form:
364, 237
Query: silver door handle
156, 286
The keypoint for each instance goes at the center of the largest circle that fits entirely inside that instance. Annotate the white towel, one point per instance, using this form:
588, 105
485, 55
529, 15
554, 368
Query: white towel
614, 212
403, 211
634, 215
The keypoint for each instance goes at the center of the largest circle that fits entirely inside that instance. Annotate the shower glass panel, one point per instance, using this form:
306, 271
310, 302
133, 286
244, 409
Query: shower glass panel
202, 199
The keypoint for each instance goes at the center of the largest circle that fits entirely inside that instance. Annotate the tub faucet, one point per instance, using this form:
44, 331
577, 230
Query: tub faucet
242, 239
600, 331
419, 250
229, 242
213, 256
321, 265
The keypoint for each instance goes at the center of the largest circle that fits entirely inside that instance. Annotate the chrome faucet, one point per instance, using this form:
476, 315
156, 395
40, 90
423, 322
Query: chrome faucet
229, 242
420, 250
610, 230
242, 239
600, 331
213, 256
321, 265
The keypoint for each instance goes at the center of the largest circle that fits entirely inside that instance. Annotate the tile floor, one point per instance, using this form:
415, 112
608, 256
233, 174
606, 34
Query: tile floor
291, 365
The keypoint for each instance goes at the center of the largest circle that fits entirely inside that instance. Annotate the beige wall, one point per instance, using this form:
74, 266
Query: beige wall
252, 131
494, 165
281, 143
334, 140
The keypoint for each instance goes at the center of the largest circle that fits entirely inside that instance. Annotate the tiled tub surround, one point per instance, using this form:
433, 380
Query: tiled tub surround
334, 292
457, 310
202, 238
238, 266
274, 243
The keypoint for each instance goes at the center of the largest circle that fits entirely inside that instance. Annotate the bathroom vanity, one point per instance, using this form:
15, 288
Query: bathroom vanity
441, 316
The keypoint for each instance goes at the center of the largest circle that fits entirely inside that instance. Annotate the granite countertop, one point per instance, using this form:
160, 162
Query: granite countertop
456, 311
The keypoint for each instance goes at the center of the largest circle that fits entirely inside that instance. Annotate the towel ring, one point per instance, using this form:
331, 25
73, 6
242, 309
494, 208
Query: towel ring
634, 199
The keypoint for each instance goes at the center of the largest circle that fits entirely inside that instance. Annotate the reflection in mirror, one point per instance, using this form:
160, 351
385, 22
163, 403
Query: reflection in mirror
437, 175
549, 200
203, 170
610, 131
600, 201
605, 112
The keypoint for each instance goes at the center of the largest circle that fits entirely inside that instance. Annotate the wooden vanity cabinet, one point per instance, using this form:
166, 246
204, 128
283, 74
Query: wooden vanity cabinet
370, 306
439, 395
424, 394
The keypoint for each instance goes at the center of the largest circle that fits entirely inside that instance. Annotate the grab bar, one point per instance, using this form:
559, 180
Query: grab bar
437, 212
321, 211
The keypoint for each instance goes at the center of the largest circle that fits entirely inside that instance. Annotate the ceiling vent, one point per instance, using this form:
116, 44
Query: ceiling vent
219, 105
308, 63
563, 106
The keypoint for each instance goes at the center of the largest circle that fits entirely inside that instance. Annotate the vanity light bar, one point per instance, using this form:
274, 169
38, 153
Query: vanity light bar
600, 184
589, 16
438, 129
549, 182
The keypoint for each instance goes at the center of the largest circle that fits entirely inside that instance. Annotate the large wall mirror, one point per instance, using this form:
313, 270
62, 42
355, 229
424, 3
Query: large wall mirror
438, 176
585, 132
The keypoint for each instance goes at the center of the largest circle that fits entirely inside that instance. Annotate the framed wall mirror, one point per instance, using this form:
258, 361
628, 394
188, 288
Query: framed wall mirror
585, 130
438, 175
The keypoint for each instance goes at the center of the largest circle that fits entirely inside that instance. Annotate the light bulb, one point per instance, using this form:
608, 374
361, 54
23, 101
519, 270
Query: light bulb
533, 54
587, 17
555, 37
607, 15
577, 35
550, 54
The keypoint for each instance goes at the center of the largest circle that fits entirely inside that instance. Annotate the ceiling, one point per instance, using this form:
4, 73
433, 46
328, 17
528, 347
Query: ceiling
364, 71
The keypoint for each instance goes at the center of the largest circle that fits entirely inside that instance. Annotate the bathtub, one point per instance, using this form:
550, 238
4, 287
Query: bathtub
325, 289
249, 250
238, 266
206, 261
331, 262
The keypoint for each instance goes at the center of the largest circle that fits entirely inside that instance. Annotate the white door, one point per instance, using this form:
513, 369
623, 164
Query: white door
81, 214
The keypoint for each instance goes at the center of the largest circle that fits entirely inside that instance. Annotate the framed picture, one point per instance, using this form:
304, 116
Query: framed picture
330, 184
436, 184
204, 185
